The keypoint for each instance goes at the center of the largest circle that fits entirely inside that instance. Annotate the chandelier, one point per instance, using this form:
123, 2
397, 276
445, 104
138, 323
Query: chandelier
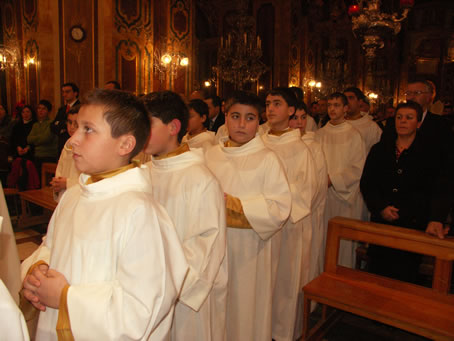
240, 52
9, 58
372, 26
169, 62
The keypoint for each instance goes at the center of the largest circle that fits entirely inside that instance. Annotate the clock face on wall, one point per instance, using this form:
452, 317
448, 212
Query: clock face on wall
77, 33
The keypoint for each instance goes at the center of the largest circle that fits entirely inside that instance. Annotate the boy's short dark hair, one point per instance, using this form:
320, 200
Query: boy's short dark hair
201, 108
47, 104
245, 98
340, 95
124, 113
302, 106
215, 99
411, 105
358, 93
74, 109
287, 94
73, 86
298, 92
115, 84
167, 106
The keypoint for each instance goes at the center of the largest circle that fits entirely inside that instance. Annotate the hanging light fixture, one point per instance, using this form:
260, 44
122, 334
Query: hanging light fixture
240, 52
371, 26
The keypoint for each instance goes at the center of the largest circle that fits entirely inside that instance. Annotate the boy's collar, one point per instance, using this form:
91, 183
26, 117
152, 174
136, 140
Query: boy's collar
279, 132
190, 136
180, 150
109, 174
230, 143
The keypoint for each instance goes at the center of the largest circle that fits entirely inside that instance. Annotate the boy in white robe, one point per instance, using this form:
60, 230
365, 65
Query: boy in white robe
345, 155
364, 123
198, 136
195, 202
369, 130
299, 121
66, 174
111, 265
294, 254
258, 203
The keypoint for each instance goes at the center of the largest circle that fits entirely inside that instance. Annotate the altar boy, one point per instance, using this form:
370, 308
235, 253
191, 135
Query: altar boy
195, 202
258, 203
111, 265
294, 257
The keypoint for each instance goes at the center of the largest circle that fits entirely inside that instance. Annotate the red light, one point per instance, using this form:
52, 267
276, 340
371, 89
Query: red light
353, 10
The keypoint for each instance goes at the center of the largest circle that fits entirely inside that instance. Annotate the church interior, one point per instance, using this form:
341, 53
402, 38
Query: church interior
309, 44
218, 47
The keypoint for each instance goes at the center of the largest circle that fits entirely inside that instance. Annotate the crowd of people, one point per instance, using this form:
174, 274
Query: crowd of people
203, 219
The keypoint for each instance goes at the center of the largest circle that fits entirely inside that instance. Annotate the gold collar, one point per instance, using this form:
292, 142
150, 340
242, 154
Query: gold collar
192, 136
183, 148
279, 132
230, 143
109, 174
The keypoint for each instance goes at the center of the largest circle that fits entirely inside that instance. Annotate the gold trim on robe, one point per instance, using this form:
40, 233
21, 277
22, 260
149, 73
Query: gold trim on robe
63, 328
235, 214
279, 132
109, 174
230, 143
189, 136
183, 148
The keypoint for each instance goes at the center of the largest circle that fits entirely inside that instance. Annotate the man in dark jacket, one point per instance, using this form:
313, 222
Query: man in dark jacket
70, 94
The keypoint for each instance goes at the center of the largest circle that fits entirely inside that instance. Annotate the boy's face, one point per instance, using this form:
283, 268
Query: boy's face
278, 112
242, 122
94, 148
161, 138
299, 120
195, 122
71, 124
336, 110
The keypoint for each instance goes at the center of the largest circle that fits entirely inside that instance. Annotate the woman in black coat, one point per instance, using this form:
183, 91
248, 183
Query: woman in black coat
26, 117
403, 184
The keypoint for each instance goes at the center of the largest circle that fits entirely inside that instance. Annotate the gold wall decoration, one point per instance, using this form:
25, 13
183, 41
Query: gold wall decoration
29, 14
133, 16
128, 62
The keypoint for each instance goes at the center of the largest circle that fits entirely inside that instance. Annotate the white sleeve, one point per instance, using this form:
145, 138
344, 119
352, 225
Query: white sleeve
268, 211
204, 242
149, 272
304, 188
346, 180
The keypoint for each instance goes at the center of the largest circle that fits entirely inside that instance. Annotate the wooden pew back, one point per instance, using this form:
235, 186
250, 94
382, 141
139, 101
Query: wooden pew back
394, 237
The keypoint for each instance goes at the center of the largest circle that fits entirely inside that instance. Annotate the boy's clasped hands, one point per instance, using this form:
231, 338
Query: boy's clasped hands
43, 287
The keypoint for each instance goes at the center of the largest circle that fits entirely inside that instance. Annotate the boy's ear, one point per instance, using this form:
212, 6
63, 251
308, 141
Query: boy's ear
204, 118
174, 127
291, 111
127, 144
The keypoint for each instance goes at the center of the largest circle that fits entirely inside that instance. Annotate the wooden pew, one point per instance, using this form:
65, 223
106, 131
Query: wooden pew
428, 312
42, 197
